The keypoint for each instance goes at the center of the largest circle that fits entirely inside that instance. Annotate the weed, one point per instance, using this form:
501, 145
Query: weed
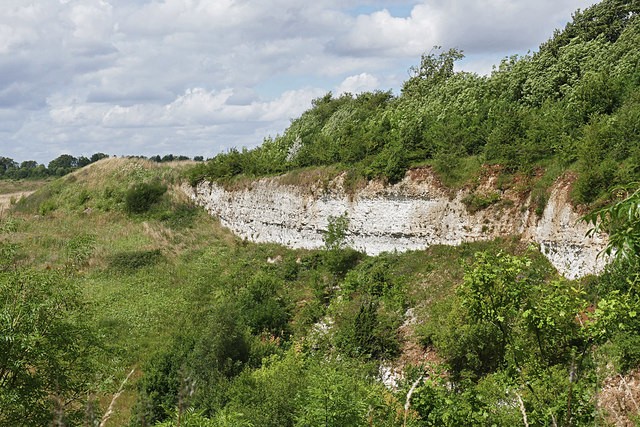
83, 197
541, 202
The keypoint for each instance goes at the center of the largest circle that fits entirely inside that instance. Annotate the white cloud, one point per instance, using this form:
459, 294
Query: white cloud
146, 77
359, 83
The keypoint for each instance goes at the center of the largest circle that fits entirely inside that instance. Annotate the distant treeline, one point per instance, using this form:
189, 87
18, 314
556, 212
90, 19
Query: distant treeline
575, 103
64, 164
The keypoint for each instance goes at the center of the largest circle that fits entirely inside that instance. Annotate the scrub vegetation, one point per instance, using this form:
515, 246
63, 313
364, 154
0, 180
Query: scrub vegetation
122, 303
222, 332
573, 104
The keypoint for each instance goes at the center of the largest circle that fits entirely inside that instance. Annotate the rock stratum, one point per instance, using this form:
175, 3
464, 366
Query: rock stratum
412, 214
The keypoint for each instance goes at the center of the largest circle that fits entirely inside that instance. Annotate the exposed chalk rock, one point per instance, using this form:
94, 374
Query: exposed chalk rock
412, 214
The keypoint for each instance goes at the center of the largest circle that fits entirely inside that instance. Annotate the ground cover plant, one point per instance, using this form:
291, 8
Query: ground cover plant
220, 331
120, 302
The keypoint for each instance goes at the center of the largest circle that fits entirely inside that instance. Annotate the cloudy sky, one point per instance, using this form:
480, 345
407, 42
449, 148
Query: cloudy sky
196, 77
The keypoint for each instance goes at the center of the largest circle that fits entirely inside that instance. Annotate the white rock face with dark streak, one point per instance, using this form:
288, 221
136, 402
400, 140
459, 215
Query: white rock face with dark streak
410, 215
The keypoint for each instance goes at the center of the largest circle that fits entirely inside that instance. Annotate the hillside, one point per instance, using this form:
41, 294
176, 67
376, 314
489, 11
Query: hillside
574, 104
123, 303
412, 214
221, 331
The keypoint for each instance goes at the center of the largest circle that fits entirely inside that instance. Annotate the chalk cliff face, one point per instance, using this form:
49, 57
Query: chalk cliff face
413, 214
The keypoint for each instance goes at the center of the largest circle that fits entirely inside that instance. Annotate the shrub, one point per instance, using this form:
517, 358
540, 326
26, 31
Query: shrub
49, 350
369, 333
141, 196
175, 215
476, 202
47, 206
159, 387
219, 354
262, 307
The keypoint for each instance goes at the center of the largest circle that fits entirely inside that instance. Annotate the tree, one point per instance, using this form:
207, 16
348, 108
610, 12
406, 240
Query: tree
98, 156
62, 164
6, 163
29, 164
431, 71
622, 221
338, 257
83, 161
142, 195
336, 235
493, 291
47, 351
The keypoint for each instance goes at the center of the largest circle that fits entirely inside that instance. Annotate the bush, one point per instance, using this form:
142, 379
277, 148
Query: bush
48, 349
160, 385
175, 215
339, 261
476, 202
219, 354
141, 196
262, 307
369, 333
46, 207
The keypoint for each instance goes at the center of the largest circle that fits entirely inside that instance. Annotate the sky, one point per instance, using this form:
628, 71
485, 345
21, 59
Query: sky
197, 77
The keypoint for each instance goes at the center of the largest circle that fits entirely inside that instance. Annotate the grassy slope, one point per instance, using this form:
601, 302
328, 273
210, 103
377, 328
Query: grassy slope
138, 309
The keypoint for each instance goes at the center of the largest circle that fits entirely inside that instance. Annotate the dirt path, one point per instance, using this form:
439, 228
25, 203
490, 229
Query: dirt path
5, 199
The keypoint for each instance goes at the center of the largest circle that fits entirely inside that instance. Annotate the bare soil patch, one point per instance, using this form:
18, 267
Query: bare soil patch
5, 199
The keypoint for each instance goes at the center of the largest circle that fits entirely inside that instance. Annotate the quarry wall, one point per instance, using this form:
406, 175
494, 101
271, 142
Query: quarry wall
412, 214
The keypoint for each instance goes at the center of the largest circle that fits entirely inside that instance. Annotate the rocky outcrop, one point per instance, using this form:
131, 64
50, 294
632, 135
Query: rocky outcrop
413, 214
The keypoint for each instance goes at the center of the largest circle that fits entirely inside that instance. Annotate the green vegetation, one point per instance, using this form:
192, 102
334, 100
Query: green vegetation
574, 103
140, 197
110, 268
475, 202
221, 331
65, 164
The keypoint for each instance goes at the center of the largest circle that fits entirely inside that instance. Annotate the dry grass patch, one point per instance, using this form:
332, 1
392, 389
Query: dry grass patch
8, 186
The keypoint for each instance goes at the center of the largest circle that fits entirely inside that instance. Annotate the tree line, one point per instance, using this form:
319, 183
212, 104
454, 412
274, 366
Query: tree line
66, 163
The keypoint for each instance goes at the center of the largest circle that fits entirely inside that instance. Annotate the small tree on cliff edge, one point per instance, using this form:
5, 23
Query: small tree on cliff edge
339, 257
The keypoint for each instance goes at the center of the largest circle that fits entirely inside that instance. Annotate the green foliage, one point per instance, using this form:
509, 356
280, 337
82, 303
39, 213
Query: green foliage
219, 354
160, 385
367, 333
576, 99
338, 257
141, 196
46, 207
334, 396
336, 235
267, 396
622, 221
375, 277
132, 260
263, 309
176, 215
78, 250
476, 201
8, 249
494, 288
48, 353
431, 71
